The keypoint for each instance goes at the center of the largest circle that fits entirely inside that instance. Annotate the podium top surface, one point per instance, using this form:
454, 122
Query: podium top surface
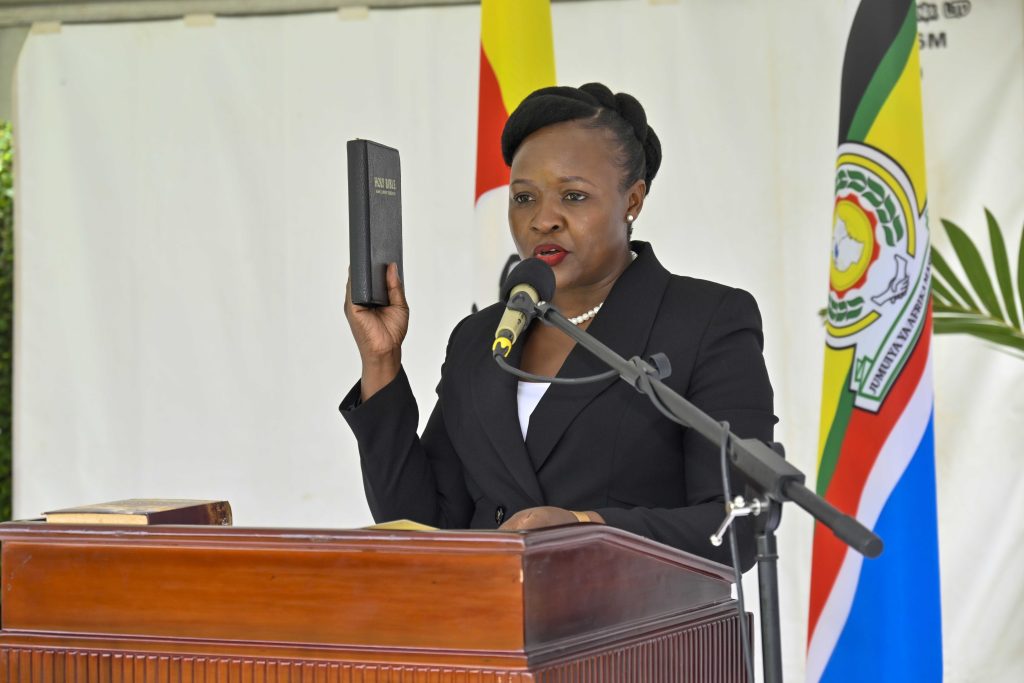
440, 541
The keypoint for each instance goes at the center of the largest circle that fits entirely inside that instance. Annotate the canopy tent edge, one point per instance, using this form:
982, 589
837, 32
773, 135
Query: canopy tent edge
21, 13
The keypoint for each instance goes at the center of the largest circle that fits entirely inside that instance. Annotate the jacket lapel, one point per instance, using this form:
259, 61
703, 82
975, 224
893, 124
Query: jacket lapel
623, 324
494, 393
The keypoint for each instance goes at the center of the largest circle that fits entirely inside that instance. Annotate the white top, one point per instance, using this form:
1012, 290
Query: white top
528, 396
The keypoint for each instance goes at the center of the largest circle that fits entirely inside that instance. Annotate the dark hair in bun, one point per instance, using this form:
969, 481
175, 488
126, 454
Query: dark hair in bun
594, 106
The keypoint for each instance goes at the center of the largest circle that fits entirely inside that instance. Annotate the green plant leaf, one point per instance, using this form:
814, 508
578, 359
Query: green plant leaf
941, 294
974, 268
974, 325
953, 315
1020, 270
1002, 265
943, 269
939, 306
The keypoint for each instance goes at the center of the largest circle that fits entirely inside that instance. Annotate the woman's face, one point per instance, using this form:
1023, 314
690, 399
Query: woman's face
567, 207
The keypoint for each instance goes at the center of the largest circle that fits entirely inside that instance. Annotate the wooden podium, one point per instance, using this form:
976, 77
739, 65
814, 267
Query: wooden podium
216, 604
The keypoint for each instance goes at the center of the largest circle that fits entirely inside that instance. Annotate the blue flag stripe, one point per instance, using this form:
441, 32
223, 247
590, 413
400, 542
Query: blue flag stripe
894, 629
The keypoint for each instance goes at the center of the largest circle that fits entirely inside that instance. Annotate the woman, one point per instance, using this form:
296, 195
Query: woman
582, 162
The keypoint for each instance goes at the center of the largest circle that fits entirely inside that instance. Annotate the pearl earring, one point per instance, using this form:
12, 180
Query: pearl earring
629, 218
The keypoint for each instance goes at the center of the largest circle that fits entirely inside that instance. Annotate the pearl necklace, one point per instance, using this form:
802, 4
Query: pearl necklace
584, 317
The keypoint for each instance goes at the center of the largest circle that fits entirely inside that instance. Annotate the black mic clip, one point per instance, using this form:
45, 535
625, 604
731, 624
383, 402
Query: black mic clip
656, 367
522, 303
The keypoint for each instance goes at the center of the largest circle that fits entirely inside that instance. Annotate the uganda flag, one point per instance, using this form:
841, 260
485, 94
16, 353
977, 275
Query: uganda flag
517, 56
878, 620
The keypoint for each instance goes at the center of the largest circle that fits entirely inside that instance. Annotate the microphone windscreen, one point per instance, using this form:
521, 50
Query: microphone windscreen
533, 272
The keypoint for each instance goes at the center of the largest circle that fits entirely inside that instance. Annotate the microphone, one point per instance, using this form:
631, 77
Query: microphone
529, 282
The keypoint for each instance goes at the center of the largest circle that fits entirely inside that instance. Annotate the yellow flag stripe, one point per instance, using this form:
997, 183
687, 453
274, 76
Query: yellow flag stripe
517, 39
837, 371
897, 128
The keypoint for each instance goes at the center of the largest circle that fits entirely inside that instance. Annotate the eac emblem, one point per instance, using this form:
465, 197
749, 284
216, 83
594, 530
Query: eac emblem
879, 280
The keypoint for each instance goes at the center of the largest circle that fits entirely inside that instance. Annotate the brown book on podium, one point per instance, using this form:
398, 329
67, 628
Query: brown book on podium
146, 511
581, 604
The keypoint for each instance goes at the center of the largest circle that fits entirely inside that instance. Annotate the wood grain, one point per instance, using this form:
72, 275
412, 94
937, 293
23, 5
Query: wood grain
581, 603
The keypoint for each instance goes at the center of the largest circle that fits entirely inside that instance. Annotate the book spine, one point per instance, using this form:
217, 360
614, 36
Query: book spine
208, 514
359, 220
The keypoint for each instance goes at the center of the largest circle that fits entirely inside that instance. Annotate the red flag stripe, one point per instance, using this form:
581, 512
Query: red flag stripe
491, 171
865, 436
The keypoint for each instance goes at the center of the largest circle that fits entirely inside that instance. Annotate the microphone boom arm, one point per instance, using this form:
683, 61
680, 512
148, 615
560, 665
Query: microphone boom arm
776, 477
769, 474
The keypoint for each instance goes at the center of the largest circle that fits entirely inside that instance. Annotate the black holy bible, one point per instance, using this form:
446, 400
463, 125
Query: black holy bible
374, 219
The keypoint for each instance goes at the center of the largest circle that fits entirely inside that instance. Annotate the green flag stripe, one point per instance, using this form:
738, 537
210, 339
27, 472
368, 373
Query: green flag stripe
836, 434
884, 79
874, 28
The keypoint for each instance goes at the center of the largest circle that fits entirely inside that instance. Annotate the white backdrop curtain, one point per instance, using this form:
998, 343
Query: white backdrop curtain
181, 248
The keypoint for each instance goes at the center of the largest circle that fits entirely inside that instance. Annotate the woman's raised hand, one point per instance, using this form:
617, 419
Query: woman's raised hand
379, 332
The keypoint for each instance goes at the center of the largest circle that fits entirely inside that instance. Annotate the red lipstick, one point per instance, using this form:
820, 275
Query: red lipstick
551, 254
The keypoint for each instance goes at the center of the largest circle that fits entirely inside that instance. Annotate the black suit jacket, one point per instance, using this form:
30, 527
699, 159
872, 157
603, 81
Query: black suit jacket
600, 447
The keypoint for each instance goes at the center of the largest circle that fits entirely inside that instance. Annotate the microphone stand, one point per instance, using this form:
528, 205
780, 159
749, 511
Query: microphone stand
773, 479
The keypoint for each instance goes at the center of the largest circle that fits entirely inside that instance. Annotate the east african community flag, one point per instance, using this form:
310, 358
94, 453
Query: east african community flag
517, 56
878, 620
